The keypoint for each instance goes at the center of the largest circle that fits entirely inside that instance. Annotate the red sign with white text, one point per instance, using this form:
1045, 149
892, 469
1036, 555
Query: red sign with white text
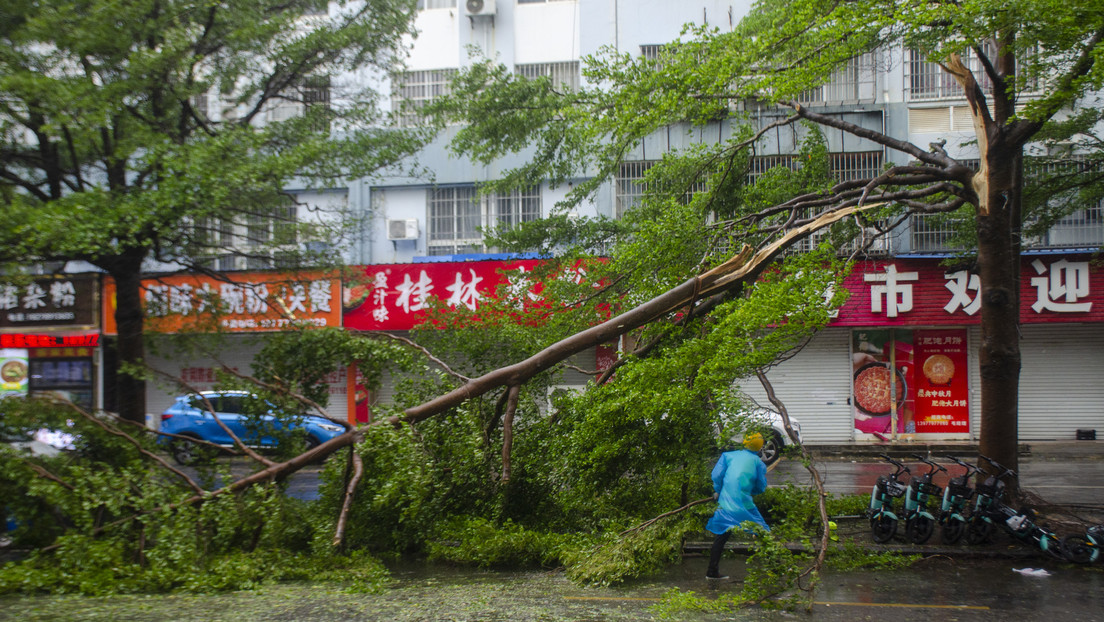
398, 296
942, 393
909, 292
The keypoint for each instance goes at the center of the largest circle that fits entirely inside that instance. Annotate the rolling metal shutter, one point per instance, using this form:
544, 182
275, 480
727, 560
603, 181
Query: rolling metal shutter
815, 386
1061, 381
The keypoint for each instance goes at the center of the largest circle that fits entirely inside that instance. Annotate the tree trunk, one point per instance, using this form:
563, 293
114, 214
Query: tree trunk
130, 389
999, 351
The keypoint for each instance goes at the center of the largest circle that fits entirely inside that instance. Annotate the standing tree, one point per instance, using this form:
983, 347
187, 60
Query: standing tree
142, 131
779, 51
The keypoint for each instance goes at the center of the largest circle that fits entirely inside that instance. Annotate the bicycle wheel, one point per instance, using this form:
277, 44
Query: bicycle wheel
952, 531
883, 528
978, 531
919, 528
1079, 549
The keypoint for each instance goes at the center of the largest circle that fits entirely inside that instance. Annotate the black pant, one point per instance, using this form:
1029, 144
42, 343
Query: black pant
716, 551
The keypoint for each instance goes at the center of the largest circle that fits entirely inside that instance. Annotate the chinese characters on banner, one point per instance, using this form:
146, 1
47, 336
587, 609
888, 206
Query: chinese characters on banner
397, 296
918, 293
48, 302
247, 302
942, 393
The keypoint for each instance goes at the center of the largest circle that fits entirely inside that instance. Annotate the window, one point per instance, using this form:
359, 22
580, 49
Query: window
415, 89
436, 4
925, 80
456, 216
454, 219
631, 186
517, 207
851, 83
846, 166
562, 75
314, 92
541, 1
1083, 226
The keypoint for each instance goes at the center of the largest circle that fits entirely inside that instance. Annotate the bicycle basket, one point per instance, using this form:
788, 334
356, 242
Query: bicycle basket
991, 487
928, 488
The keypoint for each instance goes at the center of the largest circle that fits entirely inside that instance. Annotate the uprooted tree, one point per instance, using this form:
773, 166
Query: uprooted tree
1037, 65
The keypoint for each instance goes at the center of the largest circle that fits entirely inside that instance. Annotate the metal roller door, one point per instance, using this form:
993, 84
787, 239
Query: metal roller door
1061, 381
814, 386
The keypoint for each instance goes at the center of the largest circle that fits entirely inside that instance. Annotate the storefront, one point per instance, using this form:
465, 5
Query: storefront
242, 310
49, 340
900, 361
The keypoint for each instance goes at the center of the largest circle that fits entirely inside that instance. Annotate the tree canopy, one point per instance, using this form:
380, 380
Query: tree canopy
144, 133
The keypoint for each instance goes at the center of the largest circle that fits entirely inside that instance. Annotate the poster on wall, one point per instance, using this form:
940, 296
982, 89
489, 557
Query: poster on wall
882, 369
916, 377
942, 391
14, 372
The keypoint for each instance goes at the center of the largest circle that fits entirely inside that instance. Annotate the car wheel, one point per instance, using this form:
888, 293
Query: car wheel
772, 449
187, 453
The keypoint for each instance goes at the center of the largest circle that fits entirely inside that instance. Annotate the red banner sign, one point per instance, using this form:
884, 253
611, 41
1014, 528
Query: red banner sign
397, 297
1053, 288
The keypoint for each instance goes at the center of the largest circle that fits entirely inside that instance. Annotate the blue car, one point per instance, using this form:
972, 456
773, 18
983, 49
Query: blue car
251, 419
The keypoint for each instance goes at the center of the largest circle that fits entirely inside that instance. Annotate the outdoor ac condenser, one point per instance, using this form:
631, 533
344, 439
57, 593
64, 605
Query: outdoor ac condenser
402, 229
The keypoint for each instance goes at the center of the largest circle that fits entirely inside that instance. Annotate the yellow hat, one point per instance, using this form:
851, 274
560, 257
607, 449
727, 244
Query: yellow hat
753, 441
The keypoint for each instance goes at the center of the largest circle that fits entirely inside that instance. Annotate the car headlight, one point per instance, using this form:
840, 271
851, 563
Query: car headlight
331, 427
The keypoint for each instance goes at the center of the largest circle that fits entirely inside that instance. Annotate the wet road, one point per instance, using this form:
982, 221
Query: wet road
936, 589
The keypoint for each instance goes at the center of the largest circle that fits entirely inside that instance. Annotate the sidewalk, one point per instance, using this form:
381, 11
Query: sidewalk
1029, 451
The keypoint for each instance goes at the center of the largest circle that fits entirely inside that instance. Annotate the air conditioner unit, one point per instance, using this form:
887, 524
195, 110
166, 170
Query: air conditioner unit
479, 7
403, 229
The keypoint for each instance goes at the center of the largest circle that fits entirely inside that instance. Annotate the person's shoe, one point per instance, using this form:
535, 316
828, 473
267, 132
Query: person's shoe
715, 575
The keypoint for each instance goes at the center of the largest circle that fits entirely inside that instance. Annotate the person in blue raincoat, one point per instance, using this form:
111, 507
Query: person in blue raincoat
738, 476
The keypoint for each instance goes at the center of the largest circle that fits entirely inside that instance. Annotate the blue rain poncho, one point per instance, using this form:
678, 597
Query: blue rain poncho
738, 476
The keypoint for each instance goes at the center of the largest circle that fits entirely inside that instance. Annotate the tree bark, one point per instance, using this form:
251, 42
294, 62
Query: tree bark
130, 389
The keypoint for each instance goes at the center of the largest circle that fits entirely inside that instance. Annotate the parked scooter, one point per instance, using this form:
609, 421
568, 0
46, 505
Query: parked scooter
956, 499
919, 521
883, 522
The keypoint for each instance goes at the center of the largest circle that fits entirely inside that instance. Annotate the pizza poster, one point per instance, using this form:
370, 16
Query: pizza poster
914, 377
942, 390
882, 373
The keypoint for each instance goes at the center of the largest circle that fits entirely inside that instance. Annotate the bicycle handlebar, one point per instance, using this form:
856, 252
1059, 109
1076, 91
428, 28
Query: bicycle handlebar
1000, 467
928, 461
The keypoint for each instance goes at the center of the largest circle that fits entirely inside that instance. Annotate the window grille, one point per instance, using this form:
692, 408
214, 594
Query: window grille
562, 75
436, 4
416, 89
925, 80
1082, 227
631, 187
851, 83
457, 216
517, 207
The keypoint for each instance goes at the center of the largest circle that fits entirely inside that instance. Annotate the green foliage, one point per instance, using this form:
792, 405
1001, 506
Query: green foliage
480, 542
850, 556
104, 519
615, 558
